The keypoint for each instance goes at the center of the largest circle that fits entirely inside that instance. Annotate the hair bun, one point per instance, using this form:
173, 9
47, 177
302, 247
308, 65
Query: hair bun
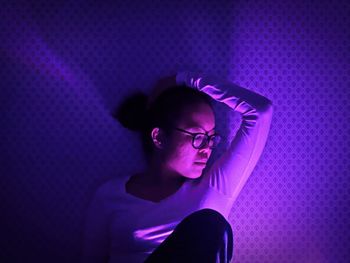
132, 112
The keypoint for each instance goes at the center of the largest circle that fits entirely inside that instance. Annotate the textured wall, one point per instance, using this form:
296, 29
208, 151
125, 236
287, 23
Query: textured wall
66, 65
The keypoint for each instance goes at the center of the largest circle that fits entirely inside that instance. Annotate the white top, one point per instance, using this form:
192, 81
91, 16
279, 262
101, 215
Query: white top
121, 227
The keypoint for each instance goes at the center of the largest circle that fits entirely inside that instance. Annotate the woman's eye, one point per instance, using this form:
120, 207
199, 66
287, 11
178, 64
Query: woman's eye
199, 137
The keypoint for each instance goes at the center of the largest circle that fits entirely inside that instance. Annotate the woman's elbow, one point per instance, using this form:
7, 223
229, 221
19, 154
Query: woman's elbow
266, 107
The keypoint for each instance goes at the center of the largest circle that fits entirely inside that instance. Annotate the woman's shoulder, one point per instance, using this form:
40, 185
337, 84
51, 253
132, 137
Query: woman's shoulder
111, 187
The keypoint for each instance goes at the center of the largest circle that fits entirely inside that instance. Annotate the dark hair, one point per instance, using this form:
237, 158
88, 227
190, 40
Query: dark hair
137, 114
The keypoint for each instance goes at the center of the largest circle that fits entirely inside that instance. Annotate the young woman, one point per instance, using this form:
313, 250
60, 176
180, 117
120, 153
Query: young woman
177, 211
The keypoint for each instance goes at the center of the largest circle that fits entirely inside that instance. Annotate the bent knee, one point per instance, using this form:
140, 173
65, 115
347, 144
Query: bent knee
207, 217
209, 213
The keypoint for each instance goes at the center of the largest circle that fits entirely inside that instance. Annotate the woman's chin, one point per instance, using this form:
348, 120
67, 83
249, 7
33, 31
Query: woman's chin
194, 175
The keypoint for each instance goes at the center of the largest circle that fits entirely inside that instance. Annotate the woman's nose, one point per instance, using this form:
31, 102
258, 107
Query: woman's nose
205, 151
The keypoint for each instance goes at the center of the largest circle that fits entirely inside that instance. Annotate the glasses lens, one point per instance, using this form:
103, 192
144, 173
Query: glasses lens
199, 140
214, 141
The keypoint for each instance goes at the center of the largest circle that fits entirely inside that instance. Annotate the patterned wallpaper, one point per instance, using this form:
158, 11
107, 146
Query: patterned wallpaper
66, 65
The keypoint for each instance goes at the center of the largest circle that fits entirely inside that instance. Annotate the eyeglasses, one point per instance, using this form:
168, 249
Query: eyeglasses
201, 140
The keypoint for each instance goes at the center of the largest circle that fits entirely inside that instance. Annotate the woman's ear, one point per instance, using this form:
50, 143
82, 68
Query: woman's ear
158, 137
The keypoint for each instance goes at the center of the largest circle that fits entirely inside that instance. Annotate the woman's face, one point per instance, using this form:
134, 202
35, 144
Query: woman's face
180, 156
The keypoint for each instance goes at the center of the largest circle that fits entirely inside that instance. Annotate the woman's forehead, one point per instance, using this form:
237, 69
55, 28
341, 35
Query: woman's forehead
198, 116
199, 120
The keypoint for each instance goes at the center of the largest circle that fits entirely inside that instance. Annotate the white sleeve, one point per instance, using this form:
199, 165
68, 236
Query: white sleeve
96, 242
231, 171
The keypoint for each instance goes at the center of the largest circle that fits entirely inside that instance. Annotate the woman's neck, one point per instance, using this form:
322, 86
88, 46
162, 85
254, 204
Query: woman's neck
156, 183
157, 175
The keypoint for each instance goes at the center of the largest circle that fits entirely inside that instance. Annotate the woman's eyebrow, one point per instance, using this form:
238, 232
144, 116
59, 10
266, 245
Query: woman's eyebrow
199, 127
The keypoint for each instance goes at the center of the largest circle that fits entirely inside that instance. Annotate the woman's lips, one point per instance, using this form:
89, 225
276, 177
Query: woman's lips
200, 163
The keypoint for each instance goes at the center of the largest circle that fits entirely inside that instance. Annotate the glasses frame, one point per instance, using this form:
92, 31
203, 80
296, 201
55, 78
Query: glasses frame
194, 134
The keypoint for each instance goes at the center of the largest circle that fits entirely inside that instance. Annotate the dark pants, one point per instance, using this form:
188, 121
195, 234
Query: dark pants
203, 236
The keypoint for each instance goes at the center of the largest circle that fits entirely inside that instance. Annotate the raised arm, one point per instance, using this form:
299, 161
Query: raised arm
231, 171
